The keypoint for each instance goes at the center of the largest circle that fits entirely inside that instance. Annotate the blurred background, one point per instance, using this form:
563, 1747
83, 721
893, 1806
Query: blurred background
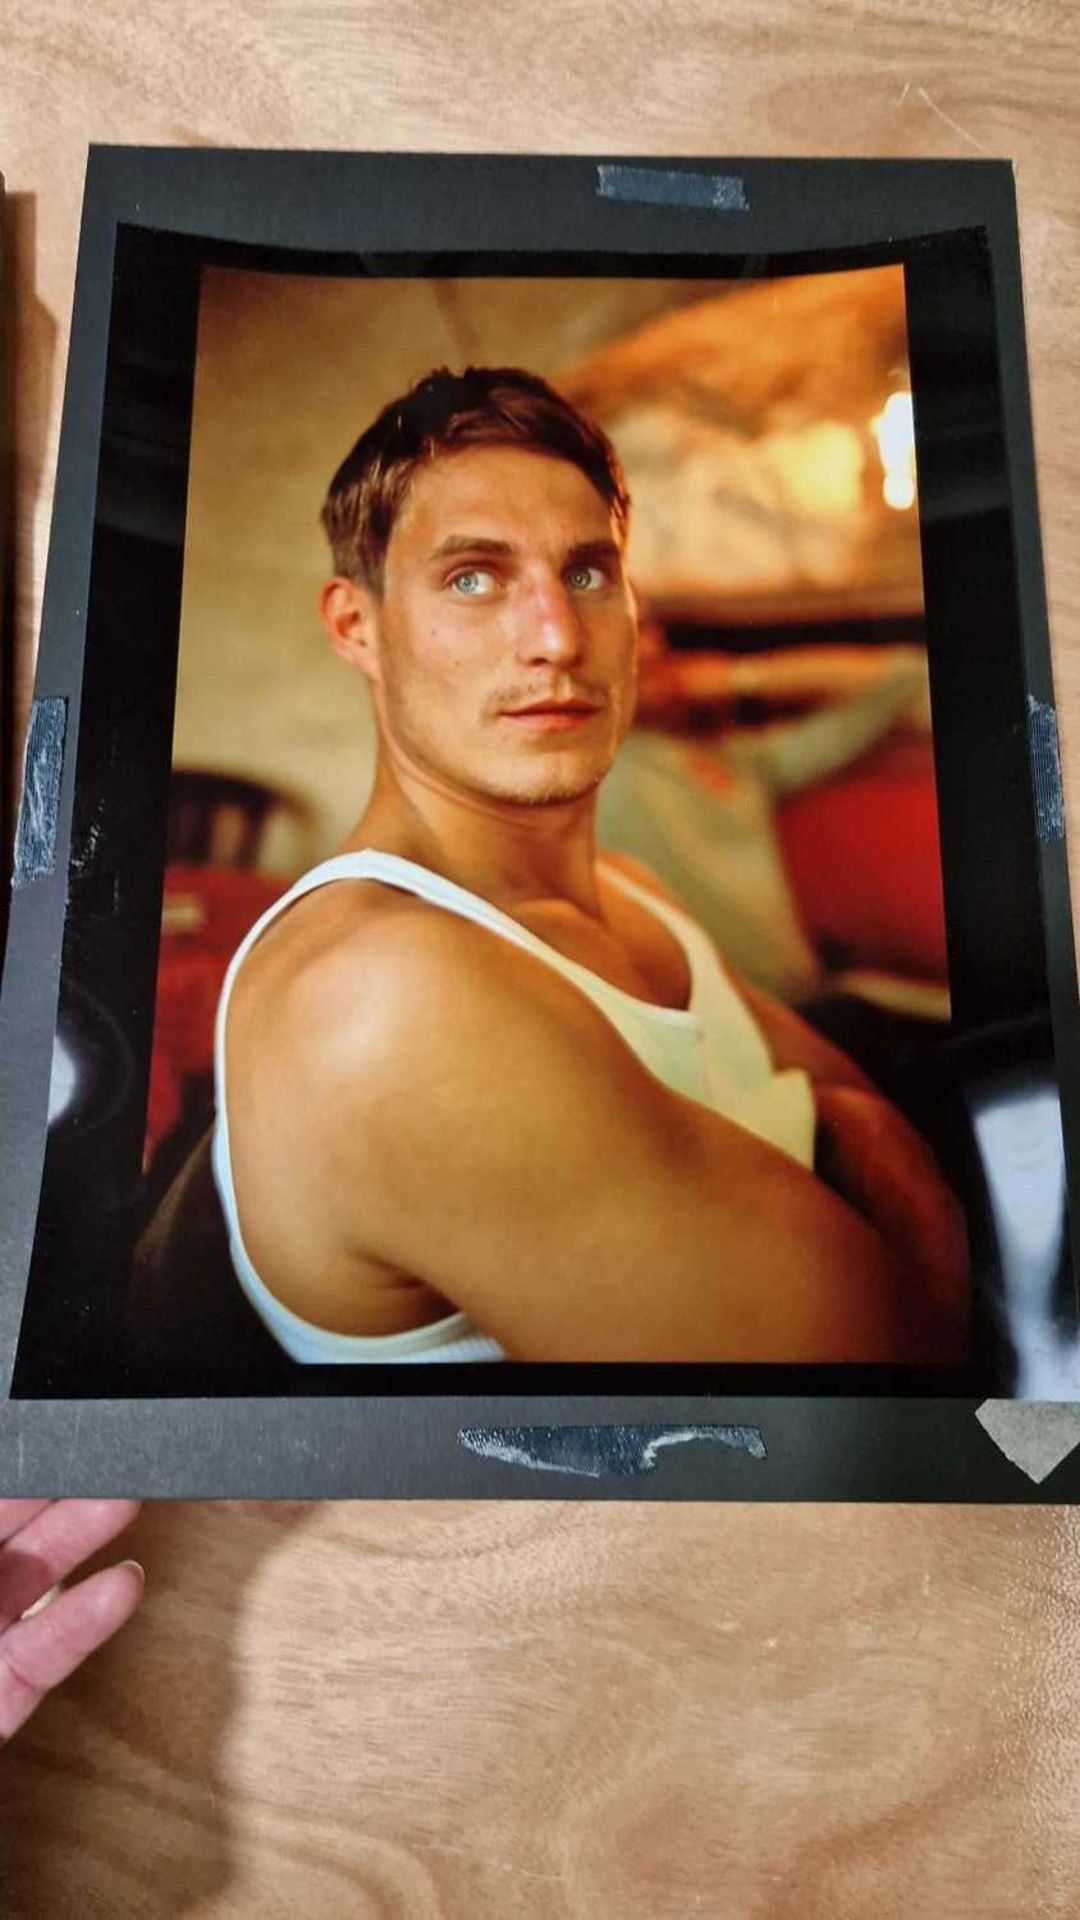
780, 774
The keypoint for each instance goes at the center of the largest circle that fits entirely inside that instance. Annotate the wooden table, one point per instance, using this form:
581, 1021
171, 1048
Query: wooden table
540, 1709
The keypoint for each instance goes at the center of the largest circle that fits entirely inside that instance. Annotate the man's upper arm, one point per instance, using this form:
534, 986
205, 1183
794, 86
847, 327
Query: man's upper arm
519, 1159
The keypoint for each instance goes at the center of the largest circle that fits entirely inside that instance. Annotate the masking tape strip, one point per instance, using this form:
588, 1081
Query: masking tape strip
598, 1451
43, 766
1035, 1435
673, 187
1045, 750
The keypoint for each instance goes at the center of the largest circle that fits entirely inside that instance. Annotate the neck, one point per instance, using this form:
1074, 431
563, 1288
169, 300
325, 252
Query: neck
505, 852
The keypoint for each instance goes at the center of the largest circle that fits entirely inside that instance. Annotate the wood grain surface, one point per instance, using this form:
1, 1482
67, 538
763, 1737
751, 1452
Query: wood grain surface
537, 1709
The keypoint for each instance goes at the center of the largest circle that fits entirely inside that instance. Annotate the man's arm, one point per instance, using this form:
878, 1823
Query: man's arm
790, 755
853, 696
866, 1150
518, 1158
869, 1153
785, 675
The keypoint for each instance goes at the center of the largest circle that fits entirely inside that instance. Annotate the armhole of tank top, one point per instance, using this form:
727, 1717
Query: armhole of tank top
450, 1327
222, 1159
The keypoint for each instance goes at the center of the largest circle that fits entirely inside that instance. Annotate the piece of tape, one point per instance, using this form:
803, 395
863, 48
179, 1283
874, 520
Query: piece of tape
1044, 748
1035, 1435
598, 1451
39, 812
673, 187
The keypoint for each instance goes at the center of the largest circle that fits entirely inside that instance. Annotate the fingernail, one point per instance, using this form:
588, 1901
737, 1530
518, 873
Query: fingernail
41, 1603
136, 1567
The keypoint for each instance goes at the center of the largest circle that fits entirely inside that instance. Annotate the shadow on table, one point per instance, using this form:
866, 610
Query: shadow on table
114, 1796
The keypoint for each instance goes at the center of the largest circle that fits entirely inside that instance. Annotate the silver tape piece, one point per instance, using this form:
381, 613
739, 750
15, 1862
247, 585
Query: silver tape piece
673, 187
1045, 752
43, 767
598, 1451
1035, 1436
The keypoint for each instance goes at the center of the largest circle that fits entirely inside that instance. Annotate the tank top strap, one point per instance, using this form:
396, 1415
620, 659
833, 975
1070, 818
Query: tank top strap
696, 943
393, 870
368, 863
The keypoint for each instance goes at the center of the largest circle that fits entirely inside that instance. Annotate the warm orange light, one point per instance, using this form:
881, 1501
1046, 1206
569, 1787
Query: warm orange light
894, 430
818, 468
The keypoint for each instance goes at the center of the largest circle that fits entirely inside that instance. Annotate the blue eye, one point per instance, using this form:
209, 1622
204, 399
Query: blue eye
460, 582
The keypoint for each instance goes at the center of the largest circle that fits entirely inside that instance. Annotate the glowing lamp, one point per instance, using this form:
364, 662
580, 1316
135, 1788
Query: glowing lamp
894, 430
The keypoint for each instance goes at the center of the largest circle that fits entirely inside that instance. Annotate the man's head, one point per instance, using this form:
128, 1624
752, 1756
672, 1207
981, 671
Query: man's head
443, 414
478, 529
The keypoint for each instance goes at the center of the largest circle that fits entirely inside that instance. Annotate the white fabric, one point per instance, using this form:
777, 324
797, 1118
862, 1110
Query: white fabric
711, 1051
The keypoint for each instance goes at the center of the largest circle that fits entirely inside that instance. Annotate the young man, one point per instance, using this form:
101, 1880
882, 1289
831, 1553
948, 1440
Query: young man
481, 1092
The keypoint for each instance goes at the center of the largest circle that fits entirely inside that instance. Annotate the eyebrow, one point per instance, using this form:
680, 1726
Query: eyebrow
457, 543
469, 543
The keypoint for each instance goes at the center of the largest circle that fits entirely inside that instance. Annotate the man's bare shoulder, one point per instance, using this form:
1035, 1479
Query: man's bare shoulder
374, 976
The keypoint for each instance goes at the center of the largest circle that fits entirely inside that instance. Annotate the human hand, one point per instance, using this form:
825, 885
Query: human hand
41, 1541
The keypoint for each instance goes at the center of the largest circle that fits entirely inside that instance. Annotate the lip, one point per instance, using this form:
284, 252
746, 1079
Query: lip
552, 716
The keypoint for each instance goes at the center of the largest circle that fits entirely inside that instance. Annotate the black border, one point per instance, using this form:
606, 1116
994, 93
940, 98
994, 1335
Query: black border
476, 210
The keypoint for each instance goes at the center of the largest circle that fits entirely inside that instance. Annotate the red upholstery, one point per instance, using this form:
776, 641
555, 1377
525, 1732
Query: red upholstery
206, 913
863, 857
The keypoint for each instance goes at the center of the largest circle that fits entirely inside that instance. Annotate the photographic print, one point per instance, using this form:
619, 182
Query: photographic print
559, 896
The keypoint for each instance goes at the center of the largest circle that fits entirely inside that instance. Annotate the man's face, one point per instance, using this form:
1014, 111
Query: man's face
503, 662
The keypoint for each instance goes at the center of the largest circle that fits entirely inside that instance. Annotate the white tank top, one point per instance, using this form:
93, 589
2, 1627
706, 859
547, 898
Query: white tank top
711, 1051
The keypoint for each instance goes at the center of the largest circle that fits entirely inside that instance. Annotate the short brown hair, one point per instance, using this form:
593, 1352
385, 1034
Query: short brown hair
442, 414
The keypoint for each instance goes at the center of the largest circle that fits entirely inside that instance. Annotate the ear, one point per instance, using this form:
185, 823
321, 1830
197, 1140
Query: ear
349, 612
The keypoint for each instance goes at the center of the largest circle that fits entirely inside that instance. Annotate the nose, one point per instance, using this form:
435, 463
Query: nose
552, 630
